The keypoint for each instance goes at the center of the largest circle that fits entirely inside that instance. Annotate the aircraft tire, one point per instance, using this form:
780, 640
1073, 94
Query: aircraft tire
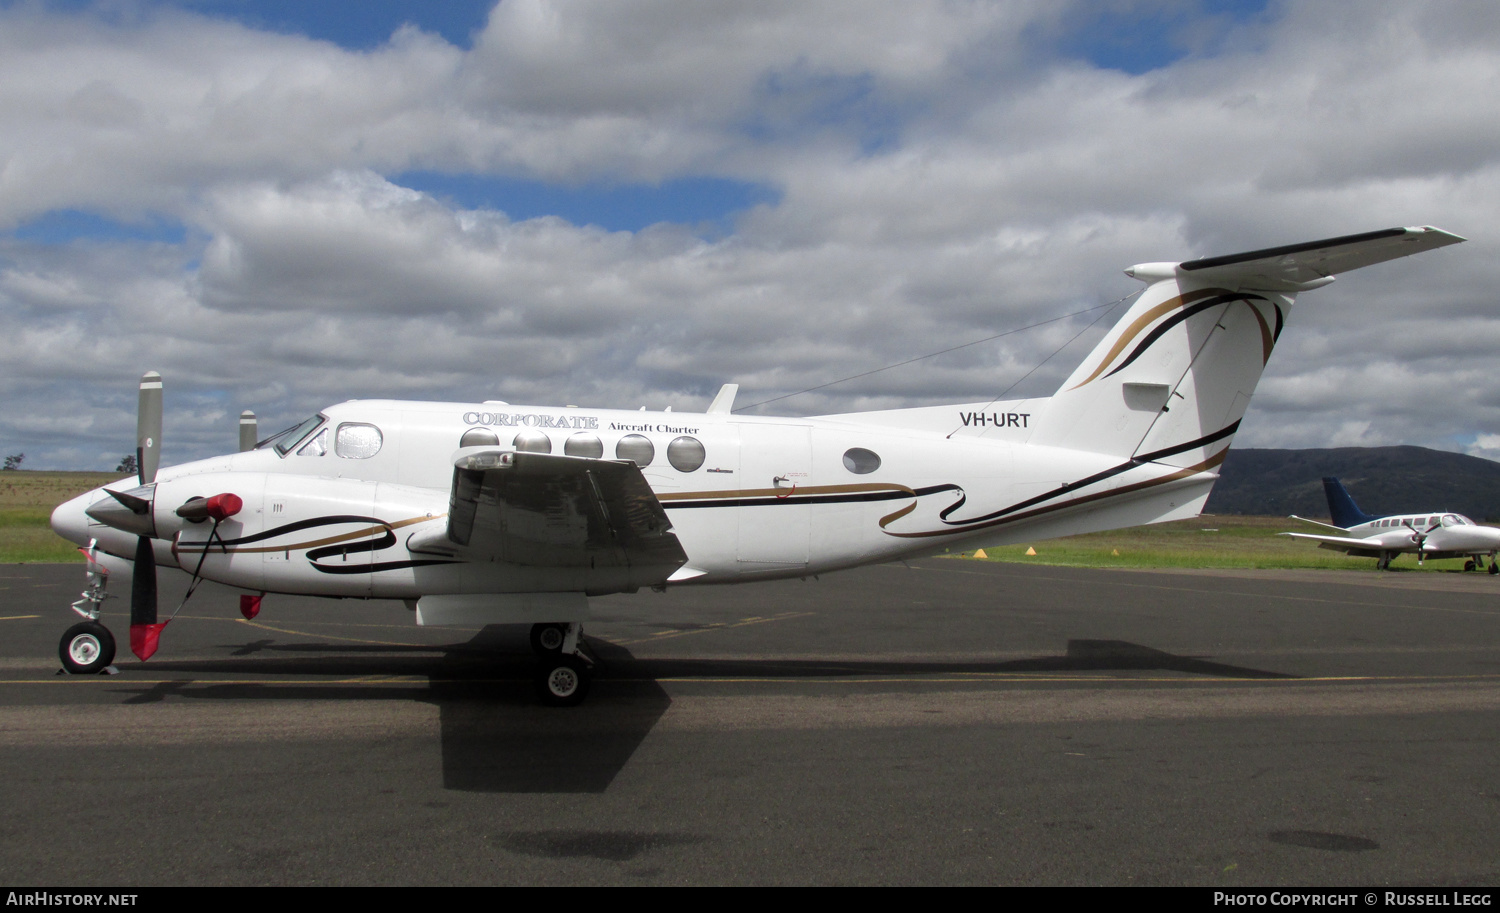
563, 682
86, 648
1469, 565
547, 639
1495, 568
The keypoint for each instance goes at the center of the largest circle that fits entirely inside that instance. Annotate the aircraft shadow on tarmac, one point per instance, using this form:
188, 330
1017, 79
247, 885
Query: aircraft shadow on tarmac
1081, 656
496, 739
494, 736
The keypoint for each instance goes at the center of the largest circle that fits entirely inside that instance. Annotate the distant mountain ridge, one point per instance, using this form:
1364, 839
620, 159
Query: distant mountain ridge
1383, 480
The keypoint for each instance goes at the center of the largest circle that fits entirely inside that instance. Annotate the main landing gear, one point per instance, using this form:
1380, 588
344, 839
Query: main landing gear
1477, 564
564, 674
547, 639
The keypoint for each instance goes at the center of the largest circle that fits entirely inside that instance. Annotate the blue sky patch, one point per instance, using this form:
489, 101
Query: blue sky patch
64, 225
357, 26
1144, 36
615, 207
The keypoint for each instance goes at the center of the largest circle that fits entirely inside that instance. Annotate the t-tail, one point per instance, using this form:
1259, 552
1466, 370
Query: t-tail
1341, 507
1171, 380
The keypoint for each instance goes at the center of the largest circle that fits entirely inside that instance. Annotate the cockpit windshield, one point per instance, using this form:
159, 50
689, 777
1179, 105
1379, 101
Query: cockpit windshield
284, 441
1456, 520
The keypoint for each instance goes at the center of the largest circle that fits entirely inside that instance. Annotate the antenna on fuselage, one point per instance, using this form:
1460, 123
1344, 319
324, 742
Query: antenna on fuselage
724, 401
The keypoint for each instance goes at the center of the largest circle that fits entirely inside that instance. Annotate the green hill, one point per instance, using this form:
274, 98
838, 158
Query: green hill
1383, 480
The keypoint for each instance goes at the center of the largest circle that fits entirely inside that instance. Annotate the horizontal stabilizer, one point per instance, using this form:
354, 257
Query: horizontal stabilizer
1299, 267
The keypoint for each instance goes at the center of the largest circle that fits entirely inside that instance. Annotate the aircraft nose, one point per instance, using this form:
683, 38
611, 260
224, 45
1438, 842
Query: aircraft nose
70, 521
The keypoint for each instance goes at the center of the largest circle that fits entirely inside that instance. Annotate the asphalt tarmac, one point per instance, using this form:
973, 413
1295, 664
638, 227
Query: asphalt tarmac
947, 722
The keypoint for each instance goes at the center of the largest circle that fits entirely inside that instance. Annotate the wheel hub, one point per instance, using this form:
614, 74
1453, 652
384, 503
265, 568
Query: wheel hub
84, 649
562, 681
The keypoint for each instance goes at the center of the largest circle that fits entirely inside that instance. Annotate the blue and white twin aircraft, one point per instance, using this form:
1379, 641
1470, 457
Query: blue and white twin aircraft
1436, 534
492, 513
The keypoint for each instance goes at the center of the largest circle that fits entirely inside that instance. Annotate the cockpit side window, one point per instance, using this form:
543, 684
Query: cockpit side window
284, 441
318, 446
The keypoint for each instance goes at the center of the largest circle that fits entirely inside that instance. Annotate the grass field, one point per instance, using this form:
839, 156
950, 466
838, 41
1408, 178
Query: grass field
27, 499
26, 502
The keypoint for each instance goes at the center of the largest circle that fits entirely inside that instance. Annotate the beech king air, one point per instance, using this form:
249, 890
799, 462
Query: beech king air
490, 513
1437, 534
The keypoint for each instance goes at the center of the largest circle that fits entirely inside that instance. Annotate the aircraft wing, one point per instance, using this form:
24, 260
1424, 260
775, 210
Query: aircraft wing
1365, 547
1317, 523
549, 511
1298, 267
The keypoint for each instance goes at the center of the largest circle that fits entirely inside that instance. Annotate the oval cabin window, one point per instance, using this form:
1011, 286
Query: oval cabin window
860, 461
584, 445
685, 454
532, 442
636, 448
479, 437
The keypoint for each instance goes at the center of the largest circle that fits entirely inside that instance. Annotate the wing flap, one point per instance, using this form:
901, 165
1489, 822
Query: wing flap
544, 510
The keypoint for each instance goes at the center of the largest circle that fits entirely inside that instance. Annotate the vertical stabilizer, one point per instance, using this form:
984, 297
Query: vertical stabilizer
1171, 380
1341, 507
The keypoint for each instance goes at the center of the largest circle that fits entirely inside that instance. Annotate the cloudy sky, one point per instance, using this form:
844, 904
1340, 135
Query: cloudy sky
281, 205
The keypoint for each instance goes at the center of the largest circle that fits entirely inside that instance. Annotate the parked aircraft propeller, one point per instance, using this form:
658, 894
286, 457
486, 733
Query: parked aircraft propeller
1421, 538
144, 630
134, 511
248, 431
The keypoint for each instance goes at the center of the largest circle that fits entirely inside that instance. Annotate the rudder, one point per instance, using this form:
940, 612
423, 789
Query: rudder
1341, 507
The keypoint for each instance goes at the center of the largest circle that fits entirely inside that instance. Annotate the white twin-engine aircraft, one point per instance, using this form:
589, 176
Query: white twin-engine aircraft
1433, 534
491, 513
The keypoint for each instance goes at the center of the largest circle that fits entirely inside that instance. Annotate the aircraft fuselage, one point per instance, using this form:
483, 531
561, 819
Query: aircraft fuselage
748, 497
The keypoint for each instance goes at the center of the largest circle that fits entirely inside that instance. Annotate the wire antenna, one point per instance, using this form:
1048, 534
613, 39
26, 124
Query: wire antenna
1109, 307
955, 349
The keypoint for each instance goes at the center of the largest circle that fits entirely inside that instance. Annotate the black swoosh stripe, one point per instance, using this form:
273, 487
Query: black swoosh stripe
378, 567
1177, 318
299, 526
1097, 477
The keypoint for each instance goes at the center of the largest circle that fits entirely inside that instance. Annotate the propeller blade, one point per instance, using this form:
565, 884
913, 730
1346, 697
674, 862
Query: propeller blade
248, 431
138, 505
148, 427
143, 584
144, 630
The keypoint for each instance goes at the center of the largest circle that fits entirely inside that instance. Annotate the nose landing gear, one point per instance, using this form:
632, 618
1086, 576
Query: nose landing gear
88, 647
